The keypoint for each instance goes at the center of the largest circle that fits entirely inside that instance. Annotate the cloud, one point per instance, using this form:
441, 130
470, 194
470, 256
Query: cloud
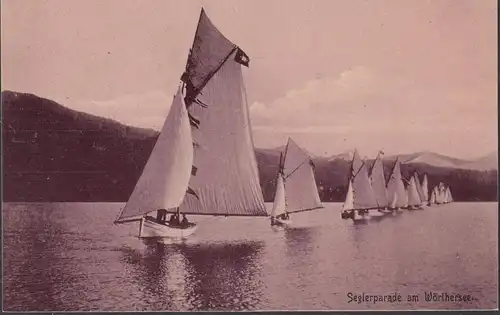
147, 110
365, 108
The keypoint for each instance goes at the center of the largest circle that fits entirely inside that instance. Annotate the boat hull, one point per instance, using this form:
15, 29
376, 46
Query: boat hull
151, 229
376, 215
275, 222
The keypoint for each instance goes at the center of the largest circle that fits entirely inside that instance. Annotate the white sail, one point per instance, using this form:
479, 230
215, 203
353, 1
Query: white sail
364, 196
394, 201
227, 180
425, 189
405, 199
419, 189
355, 164
396, 185
300, 185
440, 193
432, 199
413, 197
446, 195
165, 177
450, 197
349, 199
377, 179
279, 205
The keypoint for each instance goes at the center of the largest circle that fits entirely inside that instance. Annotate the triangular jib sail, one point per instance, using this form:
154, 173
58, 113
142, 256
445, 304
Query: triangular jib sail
279, 204
300, 185
396, 186
413, 197
425, 189
418, 186
170, 162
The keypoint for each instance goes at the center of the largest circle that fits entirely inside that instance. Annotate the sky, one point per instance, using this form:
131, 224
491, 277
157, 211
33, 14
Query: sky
394, 75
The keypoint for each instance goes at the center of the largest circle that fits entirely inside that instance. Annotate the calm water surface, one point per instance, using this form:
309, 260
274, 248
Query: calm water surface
69, 256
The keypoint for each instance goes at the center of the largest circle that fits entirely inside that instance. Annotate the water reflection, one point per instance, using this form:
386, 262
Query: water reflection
218, 276
45, 275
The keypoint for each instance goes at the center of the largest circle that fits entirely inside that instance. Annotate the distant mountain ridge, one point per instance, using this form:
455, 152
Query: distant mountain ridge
53, 153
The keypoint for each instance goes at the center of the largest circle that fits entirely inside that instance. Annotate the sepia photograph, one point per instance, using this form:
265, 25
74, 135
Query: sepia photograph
249, 155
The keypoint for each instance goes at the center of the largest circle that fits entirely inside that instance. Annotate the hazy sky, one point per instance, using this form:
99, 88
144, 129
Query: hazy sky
397, 75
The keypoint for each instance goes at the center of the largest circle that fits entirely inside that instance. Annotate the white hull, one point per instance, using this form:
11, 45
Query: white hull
149, 229
358, 218
283, 222
280, 223
375, 214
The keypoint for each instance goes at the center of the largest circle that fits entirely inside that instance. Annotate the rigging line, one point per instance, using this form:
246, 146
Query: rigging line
198, 90
359, 170
295, 169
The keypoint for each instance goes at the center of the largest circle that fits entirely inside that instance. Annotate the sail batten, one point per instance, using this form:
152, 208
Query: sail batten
300, 185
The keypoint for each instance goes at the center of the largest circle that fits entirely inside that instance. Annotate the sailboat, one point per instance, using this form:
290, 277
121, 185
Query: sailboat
377, 180
425, 190
296, 189
414, 201
203, 162
360, 196
396, 189
423, 201
433, 198
440, 193
450, 197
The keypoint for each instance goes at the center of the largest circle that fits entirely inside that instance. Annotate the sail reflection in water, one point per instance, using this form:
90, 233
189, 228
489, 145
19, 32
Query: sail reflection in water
209, 276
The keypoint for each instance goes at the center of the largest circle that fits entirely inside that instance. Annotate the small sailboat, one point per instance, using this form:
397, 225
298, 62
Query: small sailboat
296, 189
396, 189
414, 201
423, 201
440, 193
360, 196
432, 199
203, 162
377, 180
450, 197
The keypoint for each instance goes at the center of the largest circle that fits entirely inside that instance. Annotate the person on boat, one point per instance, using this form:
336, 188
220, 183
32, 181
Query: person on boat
161, 216
185, 221
172, 219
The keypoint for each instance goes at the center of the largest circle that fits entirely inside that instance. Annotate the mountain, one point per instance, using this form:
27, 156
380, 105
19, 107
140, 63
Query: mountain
53, 153
485, 163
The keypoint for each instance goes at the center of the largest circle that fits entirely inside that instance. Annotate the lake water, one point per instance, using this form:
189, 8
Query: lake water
69, 257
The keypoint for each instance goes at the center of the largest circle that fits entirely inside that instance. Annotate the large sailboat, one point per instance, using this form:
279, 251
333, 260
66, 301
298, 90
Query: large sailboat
377, 180
396, 190
203, 162
360, 197
296, 189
